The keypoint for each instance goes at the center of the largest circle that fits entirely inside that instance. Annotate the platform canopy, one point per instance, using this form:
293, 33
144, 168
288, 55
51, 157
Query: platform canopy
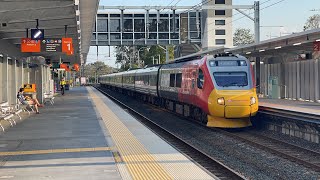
58, 18
298, 43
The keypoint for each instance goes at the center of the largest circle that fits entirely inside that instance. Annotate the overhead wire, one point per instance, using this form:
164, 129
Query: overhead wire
167, 5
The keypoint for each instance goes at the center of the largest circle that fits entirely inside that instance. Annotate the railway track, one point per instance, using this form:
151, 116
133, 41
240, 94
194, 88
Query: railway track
300, 155
211, 164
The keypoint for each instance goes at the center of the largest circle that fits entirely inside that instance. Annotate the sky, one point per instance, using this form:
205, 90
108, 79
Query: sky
291, 15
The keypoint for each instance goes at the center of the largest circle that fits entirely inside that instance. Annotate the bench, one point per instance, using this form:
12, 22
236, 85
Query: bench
8, 118
48, 97
7, 110
24, 107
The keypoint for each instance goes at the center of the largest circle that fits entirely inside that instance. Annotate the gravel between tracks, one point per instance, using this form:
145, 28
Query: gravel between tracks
252, 162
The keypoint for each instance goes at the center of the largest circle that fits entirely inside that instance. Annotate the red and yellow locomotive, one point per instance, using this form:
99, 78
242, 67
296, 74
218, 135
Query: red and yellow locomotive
217, 90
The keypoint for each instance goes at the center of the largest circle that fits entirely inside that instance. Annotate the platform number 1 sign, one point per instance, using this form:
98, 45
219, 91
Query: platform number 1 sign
67, 46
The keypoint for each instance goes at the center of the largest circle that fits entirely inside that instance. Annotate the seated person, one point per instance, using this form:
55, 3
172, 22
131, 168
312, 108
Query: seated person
28, 100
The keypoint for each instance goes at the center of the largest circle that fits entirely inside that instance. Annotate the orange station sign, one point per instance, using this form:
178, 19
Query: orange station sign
67, 46
29, 45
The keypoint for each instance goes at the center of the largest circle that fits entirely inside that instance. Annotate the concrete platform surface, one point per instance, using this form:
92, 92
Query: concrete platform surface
292, 105
85, 135
51, 144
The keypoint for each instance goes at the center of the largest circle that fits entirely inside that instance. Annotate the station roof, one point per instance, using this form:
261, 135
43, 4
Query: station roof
18, 15
297, 43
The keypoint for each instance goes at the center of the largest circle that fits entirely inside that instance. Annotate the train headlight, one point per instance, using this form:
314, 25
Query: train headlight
220, 101
253, 100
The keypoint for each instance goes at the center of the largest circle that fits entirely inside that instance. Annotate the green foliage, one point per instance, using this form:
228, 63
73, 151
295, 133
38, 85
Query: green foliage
97, 68
152, 56
171, 53
313, 22
242, 36
128, 56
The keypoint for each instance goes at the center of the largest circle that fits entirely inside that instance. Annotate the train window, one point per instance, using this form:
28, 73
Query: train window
178, 79
172, 79
146, 80
227, 79
200, 79
153, 80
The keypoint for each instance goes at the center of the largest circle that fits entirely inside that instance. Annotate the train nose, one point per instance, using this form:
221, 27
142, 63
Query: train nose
233, 104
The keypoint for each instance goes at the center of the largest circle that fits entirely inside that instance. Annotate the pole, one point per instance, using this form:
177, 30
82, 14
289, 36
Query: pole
152, 59
257, 40
139, 58
167, 54
257, 21
159, 59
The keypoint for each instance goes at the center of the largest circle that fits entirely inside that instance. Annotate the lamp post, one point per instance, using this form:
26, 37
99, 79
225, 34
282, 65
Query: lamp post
167, 52
139, 54
96, 74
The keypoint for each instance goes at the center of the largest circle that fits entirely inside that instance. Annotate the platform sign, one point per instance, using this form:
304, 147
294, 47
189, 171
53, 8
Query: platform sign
316, 46
67, 46
29, 45
51, 45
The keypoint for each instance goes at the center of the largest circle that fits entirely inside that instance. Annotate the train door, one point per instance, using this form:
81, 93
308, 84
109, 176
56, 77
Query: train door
193, 85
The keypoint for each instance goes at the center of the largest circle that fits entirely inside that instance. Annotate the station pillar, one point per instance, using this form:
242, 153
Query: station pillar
4, 74
257, 74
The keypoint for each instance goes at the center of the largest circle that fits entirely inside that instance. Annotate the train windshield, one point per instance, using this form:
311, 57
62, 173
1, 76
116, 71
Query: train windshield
227, 79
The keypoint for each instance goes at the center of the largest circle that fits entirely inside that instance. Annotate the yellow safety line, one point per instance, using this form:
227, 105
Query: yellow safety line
140, 163
50, 151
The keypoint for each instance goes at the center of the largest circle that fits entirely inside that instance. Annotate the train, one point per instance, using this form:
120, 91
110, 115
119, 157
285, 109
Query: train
217, 90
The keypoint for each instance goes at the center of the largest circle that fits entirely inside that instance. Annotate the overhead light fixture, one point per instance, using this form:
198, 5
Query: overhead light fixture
37, 34
278, 47
248, 52
296, 44
262, 50
77, 12
318, 40
79, 31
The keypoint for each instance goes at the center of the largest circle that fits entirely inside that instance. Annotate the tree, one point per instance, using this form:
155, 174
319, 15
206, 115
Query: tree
127, 56
242, 36
93, 70
312, 22
154, 53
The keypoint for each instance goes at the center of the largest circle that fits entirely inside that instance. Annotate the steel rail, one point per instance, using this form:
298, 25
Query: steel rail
301, 155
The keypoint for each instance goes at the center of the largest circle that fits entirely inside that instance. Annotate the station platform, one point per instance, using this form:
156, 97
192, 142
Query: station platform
291, 105
84, 135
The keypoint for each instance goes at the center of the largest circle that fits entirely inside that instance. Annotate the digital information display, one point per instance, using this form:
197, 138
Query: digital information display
228, 63
51, 45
